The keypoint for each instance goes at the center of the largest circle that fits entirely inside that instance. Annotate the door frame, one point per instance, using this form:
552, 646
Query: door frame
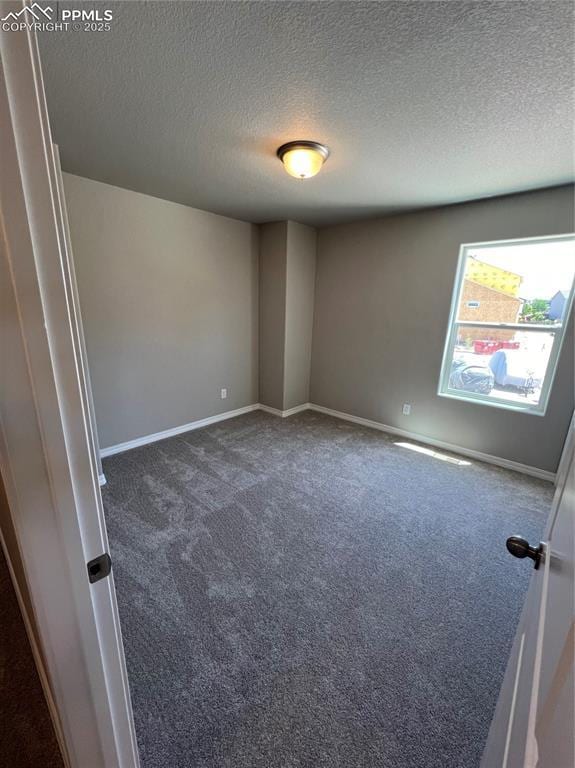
48, 462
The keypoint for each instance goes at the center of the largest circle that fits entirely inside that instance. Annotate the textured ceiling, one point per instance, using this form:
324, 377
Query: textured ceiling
421, 103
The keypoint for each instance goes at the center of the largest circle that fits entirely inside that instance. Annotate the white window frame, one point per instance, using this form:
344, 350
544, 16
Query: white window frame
558, 331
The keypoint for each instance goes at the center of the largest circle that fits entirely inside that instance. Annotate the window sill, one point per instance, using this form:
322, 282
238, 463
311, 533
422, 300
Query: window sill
532, 410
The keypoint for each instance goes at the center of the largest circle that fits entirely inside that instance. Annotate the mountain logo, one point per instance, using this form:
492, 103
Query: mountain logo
34, 11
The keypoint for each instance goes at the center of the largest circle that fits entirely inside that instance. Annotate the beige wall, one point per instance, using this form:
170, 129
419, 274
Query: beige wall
287, 283
383, 295
272, 282
300, 289
174, 310
169, 300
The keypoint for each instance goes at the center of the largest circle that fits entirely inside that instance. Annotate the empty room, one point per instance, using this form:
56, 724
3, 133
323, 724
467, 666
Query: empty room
287, 384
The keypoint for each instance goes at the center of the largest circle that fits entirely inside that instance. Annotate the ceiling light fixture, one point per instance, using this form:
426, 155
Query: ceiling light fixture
303, 159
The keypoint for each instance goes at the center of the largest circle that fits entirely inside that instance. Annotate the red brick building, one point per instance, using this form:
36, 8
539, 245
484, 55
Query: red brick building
484, 304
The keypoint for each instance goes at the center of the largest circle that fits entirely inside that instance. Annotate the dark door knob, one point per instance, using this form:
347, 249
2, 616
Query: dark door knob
520, 547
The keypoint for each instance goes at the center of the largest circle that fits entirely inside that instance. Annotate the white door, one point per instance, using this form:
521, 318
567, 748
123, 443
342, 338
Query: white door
48, 457
534, 723
76, 316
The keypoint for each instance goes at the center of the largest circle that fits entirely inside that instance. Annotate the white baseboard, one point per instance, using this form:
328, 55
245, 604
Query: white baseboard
296, 409
284, 414
102, 479
478, 455
120, 447
457, 449
269, 409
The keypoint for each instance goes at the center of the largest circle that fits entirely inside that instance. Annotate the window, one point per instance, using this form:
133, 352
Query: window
510, 307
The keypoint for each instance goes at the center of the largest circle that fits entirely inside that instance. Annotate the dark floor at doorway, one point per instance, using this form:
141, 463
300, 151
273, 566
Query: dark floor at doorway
27, 738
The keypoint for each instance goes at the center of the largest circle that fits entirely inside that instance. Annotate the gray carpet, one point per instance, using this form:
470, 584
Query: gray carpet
304, 592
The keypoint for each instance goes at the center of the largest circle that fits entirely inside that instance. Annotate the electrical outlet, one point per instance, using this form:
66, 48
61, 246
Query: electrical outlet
406, 409
223, 393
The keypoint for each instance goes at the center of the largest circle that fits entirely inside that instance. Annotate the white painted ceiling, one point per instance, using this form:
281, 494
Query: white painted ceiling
421, 103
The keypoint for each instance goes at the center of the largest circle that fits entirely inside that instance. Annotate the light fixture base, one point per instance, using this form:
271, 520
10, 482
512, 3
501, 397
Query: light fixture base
321, 148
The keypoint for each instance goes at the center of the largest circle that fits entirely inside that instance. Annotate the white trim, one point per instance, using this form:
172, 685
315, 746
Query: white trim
269, 409
566, 453
478, 455
71, 277
558, 332
146, 439
513, 701
296, 409
284, 414
102, 479
46, 455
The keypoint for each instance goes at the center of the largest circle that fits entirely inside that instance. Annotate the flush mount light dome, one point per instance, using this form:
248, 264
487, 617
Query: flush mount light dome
303, 159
